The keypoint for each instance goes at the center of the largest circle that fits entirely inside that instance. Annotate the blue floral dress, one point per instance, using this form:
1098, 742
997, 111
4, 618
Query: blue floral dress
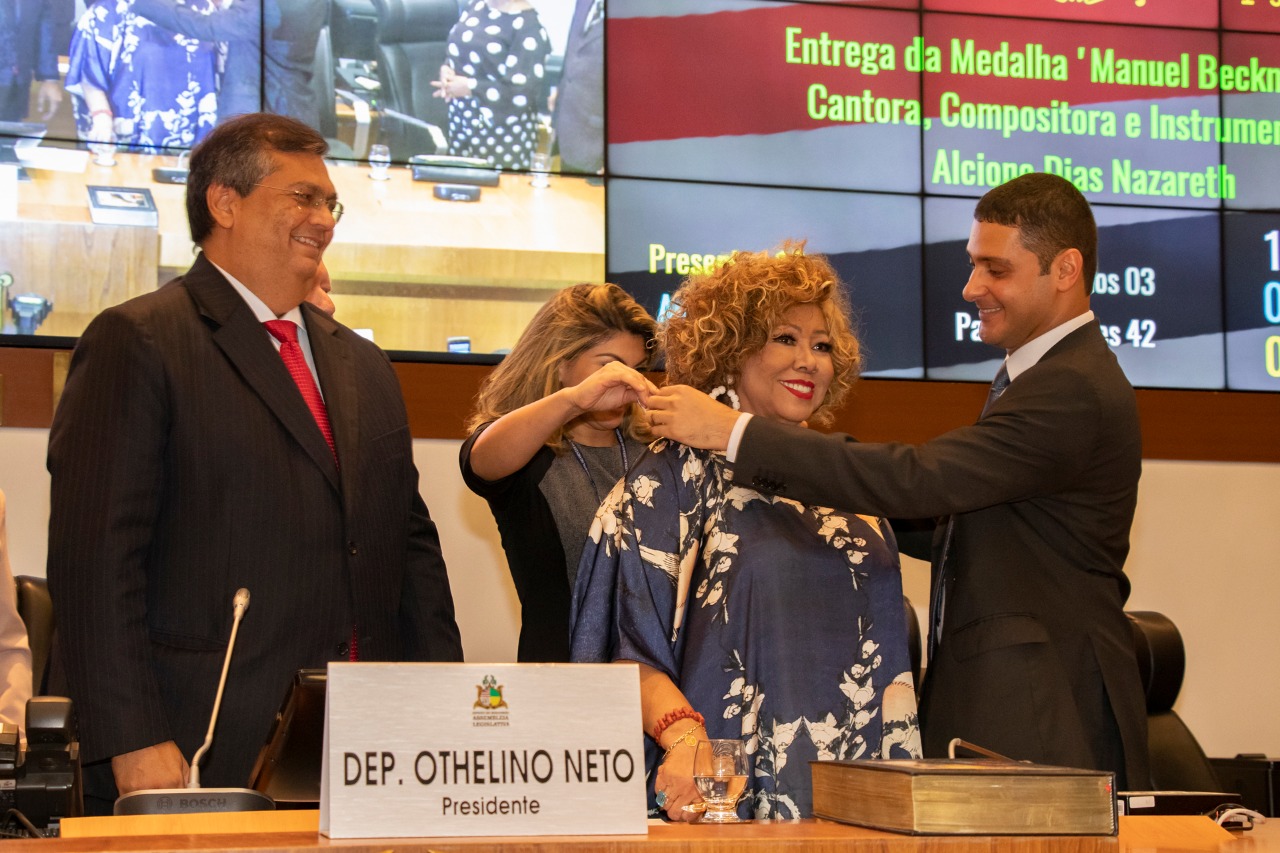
162, 87
782, 623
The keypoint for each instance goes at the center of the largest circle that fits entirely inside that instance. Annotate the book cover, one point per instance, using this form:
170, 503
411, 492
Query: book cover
122, 206
962, 797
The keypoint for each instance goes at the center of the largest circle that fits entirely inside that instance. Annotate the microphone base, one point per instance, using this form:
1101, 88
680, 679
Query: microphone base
193, 801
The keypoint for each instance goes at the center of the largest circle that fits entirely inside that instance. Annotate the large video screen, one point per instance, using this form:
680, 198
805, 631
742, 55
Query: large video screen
490, 152
1164, 115
462, 146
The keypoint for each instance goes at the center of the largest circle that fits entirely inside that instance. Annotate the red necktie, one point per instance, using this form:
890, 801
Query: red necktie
286, 332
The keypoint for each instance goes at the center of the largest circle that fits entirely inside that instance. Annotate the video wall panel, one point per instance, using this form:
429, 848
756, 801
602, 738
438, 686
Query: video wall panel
751, 93
1084, 101
1155, 295
1250, 134
1259, 16
662, 231
1184, 13
1165, 121
1251, 246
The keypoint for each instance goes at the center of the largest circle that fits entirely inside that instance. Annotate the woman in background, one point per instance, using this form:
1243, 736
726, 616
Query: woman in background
493, 81
553, 430
141, 86
751, 616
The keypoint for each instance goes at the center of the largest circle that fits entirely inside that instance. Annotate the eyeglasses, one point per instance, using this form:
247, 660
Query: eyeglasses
314, 201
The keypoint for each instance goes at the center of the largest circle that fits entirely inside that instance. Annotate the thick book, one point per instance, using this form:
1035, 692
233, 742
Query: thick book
122, 206
964, 797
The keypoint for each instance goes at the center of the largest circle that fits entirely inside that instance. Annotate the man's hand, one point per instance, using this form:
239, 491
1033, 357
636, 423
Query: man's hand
48, 96
159, 766
690, 417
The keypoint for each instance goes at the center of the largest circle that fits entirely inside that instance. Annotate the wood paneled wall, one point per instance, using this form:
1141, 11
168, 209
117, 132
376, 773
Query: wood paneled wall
1194, 425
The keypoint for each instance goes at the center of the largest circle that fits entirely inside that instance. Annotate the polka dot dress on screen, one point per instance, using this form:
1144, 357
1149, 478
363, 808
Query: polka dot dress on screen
505, 52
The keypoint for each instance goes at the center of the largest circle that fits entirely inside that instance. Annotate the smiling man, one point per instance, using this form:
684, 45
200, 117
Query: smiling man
221, 433
1031, 654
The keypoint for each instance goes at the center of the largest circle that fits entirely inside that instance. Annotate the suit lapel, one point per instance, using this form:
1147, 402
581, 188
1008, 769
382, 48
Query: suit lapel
334, 364
244, 342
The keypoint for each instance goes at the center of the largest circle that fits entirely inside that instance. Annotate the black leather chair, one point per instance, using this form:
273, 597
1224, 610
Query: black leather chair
354, 26
412, 39
36, 609
322, 84
326, 93
1177, 761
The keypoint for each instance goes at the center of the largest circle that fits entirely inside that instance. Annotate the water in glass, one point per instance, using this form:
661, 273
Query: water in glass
720, 775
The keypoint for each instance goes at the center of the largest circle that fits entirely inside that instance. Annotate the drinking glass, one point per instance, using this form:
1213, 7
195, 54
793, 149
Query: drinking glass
544, 144
379, 162
104, 151
720, 775
540, 167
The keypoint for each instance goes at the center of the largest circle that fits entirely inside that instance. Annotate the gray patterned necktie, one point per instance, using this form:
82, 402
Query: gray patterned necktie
998, 385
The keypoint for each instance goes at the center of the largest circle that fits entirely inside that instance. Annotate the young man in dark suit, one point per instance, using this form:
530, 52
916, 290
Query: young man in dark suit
187, 463
579, 106
32, 35
1031, 654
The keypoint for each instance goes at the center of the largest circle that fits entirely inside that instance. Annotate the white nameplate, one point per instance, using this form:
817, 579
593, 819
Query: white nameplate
424, 750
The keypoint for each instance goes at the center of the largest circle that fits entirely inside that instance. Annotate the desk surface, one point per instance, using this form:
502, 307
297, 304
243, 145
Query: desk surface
394, 230
1137, 835
414, 268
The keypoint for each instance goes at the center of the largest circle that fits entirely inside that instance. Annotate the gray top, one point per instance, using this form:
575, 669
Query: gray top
574, 496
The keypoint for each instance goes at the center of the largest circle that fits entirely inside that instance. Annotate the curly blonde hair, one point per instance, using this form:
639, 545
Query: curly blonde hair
722, 318
570, 323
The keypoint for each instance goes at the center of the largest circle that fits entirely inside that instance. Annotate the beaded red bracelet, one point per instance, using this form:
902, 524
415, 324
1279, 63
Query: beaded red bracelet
670, 717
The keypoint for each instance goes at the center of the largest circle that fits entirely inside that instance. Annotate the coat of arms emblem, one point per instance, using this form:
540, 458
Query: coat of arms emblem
489, 694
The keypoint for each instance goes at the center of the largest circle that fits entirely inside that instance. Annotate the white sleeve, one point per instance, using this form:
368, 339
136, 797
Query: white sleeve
735, 435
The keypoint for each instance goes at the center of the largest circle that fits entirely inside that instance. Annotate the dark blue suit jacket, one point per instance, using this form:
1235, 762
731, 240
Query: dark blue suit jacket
29, 46
580, 104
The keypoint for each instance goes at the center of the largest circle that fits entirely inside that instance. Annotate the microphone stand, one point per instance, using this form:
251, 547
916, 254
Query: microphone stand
193, 799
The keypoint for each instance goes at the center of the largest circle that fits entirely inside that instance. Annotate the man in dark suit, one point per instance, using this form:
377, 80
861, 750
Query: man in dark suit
579, 106
32, 34
271, 51
186, 463
1030, 651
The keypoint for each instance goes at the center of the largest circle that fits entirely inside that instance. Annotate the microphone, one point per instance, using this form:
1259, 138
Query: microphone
238, 606
194, 799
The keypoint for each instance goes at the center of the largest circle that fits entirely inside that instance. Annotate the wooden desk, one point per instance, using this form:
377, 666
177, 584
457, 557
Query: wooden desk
1137, 835
404, 263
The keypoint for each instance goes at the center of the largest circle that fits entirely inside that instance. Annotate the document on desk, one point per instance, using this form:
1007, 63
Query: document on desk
425, 750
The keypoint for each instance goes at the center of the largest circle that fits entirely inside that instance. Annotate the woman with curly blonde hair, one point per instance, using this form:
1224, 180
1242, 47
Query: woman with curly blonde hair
751, 616
553, 430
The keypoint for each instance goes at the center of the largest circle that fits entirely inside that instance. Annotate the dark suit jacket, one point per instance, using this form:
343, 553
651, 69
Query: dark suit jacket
1035, 659
35, 45
580, 102
29, 48
185, 465
271, 51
